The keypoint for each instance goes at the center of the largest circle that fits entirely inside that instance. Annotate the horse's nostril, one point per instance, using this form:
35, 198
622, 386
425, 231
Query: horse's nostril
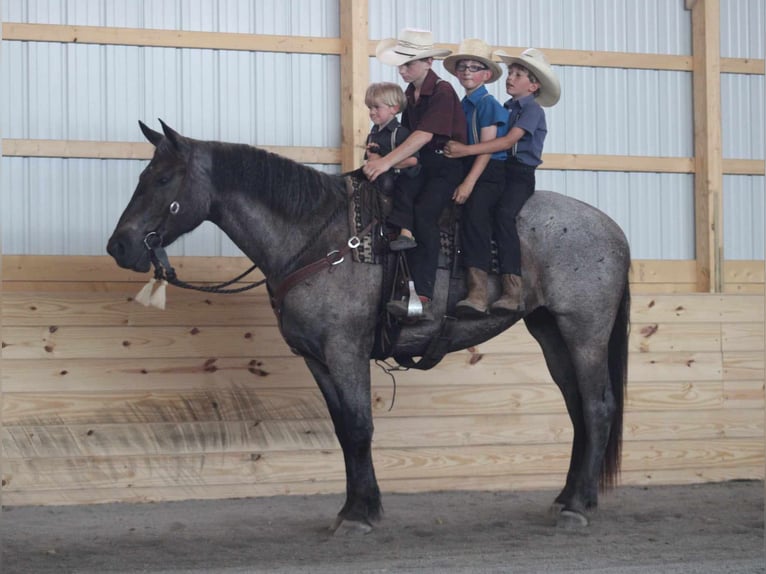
115, 249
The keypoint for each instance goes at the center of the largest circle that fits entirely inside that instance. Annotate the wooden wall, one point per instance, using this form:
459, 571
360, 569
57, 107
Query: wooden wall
104, 400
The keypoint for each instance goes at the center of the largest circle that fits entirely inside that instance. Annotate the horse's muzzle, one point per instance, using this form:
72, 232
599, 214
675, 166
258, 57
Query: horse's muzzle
129, 255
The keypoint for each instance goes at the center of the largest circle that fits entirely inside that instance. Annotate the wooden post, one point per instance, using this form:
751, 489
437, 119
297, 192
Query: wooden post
708, 163
354, 77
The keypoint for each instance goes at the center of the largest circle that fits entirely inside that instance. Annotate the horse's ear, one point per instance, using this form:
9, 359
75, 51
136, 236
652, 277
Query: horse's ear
154, 137
178, 141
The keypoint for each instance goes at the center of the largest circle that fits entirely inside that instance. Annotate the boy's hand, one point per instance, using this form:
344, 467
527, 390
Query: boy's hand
462, 193
455, 149
375, 167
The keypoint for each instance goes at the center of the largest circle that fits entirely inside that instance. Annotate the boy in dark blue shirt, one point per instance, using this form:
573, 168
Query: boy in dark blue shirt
531, 83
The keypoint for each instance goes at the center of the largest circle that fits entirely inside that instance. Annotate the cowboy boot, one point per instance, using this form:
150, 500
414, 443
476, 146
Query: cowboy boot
511, 300
475, 304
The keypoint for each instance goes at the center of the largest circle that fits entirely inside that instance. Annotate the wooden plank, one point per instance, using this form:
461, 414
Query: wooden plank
103, 269
79, 268
416, 463
664, 337
141, 342
462, 369
588, 162
118, 440
258, 404
169, 38
743, 166
742, 337
252, 309
167, 374
743, 365
548, 480
99, 309
696, 307
708, 180
354, 78
143, 151
744, 394
659, 271
589, 58
742, 66
744, 272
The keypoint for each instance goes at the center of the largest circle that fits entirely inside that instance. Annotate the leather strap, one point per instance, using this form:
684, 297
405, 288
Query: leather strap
332, 258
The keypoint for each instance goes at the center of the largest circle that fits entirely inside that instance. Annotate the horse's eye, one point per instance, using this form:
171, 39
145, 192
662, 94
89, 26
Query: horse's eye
163, 180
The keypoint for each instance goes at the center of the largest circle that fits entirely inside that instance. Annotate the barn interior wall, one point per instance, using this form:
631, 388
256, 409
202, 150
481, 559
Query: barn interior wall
103, 400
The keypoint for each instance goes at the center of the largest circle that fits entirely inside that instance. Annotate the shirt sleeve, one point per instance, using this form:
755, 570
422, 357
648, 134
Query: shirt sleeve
491, 113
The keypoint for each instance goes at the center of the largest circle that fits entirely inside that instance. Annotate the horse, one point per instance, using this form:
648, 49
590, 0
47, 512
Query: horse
287, 218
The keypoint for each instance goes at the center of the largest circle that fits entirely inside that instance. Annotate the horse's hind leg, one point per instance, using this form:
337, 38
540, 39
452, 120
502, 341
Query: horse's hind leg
588, 346
346, 389
543, 327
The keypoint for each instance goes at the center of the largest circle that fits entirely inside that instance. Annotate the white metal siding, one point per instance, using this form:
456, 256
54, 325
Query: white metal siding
743, 128
55, 91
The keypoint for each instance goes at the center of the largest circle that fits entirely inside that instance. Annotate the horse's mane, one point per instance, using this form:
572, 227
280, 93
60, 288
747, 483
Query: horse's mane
291, 189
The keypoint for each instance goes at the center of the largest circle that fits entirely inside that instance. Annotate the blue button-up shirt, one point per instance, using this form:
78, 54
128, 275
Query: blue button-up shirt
527, 114
489, 112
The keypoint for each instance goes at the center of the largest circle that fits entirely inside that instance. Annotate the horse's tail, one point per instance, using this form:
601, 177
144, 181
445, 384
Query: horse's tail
618, 376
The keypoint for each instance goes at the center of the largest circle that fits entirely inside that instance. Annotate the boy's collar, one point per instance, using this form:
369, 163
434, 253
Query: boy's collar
477, 94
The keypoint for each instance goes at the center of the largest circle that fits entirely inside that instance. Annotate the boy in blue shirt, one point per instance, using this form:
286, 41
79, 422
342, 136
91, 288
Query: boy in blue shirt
531, 83
484, 183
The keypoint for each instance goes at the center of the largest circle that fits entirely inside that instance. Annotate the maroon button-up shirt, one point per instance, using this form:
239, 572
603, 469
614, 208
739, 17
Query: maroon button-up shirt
438, 111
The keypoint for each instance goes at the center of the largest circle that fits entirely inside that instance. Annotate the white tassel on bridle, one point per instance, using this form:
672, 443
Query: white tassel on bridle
153, 294
145, 295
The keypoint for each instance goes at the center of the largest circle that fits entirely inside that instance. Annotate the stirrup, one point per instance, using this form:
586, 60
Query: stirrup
414, 304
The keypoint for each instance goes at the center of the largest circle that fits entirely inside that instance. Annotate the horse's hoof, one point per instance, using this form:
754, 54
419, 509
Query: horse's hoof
570, 519
343, 527
555, 511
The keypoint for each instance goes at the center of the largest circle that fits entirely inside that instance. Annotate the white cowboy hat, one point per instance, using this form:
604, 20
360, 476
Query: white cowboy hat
534, 60
412, 44
473, 49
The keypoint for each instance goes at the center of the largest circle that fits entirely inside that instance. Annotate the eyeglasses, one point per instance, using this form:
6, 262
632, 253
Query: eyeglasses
474, 69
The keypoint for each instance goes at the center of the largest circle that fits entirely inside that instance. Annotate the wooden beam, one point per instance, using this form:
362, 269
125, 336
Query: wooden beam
141, 150
354, 77
708, 180
169, 38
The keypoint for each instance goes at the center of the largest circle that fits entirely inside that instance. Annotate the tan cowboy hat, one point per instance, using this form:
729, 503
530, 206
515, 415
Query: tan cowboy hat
412, 44
473, 49
534, 60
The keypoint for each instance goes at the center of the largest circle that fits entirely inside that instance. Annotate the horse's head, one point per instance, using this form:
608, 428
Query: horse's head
170, 199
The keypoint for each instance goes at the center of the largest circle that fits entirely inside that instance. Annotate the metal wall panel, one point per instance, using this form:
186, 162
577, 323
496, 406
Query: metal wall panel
56, 91
743, 128
89, 92
602, 110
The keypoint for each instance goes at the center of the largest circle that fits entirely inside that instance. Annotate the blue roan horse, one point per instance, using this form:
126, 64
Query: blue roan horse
284, 216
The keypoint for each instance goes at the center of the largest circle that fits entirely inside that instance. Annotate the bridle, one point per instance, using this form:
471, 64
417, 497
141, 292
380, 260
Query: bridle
163, 270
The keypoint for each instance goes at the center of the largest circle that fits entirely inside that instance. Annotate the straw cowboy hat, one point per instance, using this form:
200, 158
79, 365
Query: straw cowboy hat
478, 50
412, 44
534, 60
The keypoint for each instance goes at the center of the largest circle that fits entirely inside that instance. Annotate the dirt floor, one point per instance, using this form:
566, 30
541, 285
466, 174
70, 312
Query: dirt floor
713, 528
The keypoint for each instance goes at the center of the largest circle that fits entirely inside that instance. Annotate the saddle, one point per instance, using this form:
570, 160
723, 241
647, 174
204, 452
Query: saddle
369, 202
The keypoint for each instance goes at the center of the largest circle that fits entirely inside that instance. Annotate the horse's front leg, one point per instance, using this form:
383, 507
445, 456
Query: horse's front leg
346, 389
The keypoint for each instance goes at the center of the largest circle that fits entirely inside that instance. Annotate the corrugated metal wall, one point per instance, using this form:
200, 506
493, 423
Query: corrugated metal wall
55, 91
743, 99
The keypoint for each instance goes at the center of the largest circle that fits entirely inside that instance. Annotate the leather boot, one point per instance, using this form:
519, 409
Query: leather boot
511, 300
475, 303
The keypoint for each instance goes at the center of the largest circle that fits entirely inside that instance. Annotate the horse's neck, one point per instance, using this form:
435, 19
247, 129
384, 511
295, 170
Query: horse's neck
257, 221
